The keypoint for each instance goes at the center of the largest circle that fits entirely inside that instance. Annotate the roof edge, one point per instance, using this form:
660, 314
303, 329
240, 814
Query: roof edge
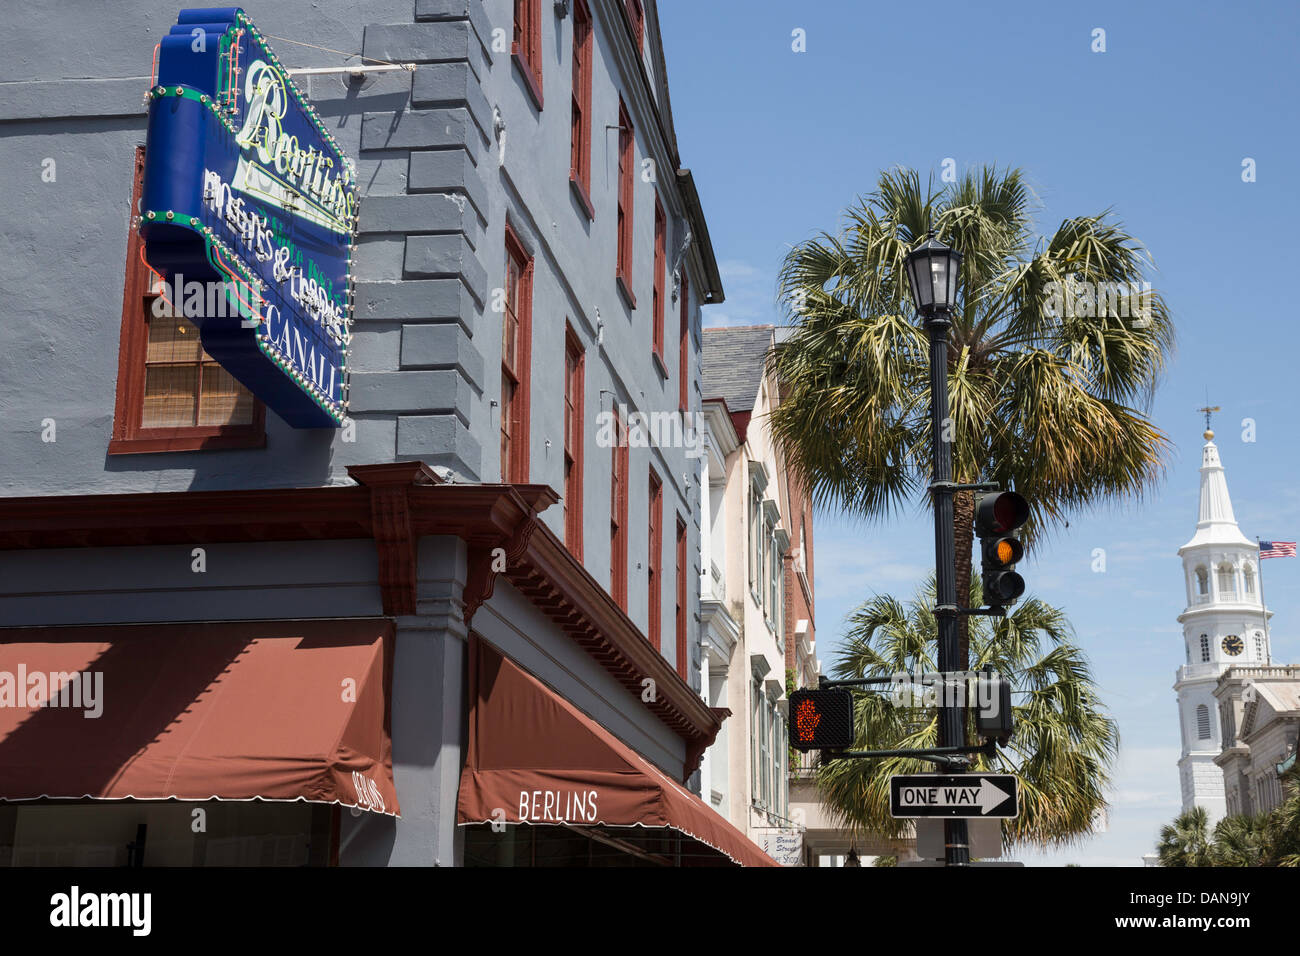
700, 229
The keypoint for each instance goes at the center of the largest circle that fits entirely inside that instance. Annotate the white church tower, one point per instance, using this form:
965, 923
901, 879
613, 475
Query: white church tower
1223, 625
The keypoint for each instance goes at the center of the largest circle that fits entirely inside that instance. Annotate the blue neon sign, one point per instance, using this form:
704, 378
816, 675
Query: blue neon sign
245, 187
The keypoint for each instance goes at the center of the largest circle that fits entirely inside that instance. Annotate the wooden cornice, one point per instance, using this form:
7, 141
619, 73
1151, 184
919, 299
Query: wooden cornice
184, 517
395, 504
696, 746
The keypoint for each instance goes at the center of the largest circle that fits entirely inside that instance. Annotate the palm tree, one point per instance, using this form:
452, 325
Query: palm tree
1050, 404
1063, 745
1283, 830
1240, 841
1267, 839
1185, 842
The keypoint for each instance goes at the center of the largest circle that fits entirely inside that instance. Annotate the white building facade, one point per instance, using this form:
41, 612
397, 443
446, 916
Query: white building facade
720, 627
1224, 624
745, 538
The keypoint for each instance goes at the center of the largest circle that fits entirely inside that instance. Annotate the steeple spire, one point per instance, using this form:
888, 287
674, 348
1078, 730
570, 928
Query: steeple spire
1216, 524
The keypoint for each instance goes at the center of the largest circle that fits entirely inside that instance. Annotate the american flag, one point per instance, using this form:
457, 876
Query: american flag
1276, 549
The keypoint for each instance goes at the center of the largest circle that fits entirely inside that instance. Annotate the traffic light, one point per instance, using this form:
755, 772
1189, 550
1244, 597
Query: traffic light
821, 719
996, 516
993, 716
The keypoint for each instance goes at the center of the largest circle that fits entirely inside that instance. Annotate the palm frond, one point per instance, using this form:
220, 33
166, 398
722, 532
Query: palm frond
1050, 404
1064, 742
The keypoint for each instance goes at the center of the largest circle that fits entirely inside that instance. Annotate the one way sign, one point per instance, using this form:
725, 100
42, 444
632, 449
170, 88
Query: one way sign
969, 795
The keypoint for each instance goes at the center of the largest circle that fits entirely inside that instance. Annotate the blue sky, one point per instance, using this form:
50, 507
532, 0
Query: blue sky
1156, 128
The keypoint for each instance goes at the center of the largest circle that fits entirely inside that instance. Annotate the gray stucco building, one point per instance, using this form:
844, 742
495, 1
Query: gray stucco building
530, 259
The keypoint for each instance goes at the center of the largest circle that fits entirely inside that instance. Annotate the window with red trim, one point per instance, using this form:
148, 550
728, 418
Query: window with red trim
656, 537
574, 362
636, 14
580, 127
516, 346
684, 347
526, 50
682, 570
171, 395
618, 515
626, 160
657, 300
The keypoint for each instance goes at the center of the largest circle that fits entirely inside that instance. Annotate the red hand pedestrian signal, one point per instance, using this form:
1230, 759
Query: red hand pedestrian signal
806, 720
823, 719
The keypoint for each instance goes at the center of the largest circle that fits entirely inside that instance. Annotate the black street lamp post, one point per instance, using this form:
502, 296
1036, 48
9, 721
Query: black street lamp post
932, 272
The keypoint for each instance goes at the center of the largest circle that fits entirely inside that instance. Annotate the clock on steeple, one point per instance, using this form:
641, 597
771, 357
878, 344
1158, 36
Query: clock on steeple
1233, 645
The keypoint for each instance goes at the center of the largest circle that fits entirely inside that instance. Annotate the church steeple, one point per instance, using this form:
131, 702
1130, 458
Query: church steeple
1222, 626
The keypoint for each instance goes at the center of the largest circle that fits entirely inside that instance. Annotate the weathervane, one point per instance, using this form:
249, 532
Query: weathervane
1209, 410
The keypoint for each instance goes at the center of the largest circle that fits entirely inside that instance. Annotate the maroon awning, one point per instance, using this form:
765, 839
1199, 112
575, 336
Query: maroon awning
280, 710
539, 759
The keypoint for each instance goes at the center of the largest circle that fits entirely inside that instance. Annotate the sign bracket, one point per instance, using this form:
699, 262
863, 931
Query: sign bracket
943, 756
352, 70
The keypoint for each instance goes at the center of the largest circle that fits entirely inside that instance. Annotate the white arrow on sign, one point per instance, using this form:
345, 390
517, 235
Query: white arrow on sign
990, 795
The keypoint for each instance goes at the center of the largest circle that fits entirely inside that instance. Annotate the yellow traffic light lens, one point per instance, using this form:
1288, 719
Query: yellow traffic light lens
1006, 553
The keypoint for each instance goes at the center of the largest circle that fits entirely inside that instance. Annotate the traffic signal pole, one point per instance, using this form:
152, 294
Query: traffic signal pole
951, 730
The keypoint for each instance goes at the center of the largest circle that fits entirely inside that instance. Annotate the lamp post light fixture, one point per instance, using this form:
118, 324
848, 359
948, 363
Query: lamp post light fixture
933, 270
